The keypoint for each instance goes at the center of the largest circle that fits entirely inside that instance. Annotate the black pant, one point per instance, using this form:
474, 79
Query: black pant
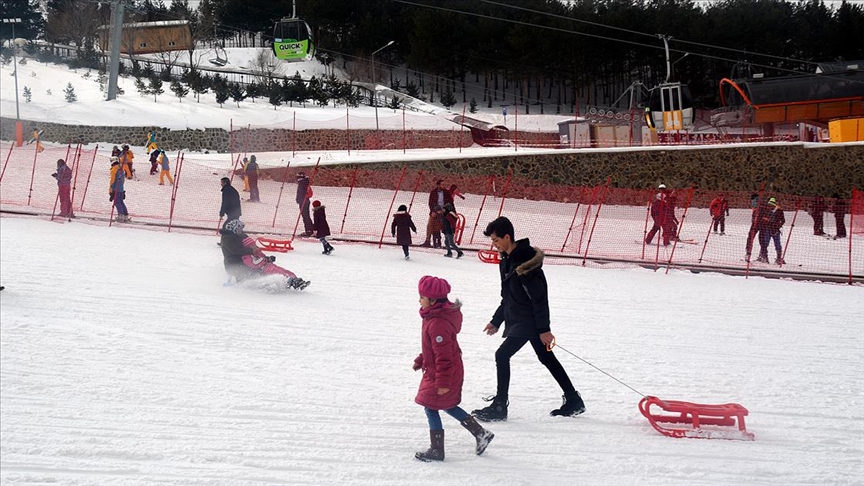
721, 222
405, 249
511, 346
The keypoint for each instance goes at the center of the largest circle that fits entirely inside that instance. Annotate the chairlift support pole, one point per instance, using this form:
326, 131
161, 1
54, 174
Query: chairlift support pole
117, 6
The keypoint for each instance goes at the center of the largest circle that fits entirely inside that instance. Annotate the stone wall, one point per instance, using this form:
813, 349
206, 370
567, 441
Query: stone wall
790, 168
254, 140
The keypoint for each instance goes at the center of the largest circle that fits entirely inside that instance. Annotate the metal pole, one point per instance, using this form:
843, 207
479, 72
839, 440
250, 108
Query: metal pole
14, 62
375, 82
117, 25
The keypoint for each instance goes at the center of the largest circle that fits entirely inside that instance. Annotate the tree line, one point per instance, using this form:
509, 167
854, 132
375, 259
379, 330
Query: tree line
517, 51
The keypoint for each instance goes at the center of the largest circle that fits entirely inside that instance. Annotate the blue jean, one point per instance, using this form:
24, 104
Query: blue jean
450, 244
119, 204
435, 418
765, 238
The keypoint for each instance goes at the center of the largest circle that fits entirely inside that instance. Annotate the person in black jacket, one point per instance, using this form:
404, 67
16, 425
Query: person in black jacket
304, 192
524, 310
230, 201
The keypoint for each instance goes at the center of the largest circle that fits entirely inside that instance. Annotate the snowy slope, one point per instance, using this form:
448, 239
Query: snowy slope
123, 360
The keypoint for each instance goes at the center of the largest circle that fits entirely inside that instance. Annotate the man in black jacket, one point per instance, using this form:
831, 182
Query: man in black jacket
230, 201
303, 194
525, 310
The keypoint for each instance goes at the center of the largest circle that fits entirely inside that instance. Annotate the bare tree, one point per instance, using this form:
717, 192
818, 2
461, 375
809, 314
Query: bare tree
73, 23
167, 43
265, 66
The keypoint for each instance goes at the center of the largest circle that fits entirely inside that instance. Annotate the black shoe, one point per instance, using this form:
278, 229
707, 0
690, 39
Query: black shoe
448, 255
298, 283
459, 255
495, 412
572, 406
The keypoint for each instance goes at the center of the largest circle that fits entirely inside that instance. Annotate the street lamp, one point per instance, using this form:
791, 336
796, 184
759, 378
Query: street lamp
375, 82
18, 130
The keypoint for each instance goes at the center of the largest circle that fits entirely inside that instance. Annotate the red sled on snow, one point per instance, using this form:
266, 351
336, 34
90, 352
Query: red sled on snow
268, 244
489, 256
719, 419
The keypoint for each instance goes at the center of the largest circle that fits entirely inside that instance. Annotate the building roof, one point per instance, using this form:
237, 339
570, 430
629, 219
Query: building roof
148, 25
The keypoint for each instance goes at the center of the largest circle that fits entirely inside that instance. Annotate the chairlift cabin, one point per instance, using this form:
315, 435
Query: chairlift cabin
292, 40
670, 107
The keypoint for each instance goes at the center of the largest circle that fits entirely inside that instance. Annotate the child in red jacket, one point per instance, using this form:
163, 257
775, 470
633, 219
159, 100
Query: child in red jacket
443, 372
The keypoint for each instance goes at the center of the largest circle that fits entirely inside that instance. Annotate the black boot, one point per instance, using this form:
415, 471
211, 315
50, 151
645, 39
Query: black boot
436, 449
572, 406
495, 412
483, 436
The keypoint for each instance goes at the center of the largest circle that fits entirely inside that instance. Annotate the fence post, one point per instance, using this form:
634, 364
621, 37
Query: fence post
279, 199
414, 193
392, 201
33, 172
404, 143
480, 212
89, 175
348, 202
75, 181
573, 221
293, 138
180, 157
348, 129
678, 233
506, 189
585, 219
11, 146
516, 128
851, 233
792, 227
596, 216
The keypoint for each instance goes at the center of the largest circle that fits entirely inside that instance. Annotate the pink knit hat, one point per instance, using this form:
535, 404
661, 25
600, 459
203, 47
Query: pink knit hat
433, 287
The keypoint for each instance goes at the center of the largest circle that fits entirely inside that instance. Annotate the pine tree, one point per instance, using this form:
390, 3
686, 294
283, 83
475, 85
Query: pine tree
472, 107
179, 90
70, 93
395, 103
222, 94
447, 99
236, 93
275, 97
253, 90
141, 87
156, 87
27, 94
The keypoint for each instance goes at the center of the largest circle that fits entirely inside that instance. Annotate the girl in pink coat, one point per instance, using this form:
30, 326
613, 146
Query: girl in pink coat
441, 362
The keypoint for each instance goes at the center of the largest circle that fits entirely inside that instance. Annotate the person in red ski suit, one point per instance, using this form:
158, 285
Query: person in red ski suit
443, 372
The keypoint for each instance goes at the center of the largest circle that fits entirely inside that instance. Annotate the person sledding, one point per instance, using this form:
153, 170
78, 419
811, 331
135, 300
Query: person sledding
244, 260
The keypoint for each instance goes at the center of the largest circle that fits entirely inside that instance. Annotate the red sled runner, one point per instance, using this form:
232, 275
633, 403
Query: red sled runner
269, 244
489, 256
719, 418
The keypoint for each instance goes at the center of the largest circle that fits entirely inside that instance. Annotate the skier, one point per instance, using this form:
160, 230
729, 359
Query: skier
402, 227
166, 168
126, 157
772, 221
117, 191
151, 141
719, 209
64, 185
443, 371
319, 224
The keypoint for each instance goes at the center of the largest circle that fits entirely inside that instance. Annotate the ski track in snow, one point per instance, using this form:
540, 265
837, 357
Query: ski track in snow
125, 361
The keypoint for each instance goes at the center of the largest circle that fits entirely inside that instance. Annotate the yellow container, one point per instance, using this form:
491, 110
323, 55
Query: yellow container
848, 130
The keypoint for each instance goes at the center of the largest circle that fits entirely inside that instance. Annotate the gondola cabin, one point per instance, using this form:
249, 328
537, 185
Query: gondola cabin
670, 107
292, 40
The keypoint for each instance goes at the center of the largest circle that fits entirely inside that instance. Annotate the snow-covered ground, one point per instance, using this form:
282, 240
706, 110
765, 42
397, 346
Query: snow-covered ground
168, 111
123, 360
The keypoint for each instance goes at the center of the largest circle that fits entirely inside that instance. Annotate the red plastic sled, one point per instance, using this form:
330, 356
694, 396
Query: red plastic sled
719, 418
489, 256
268, 244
